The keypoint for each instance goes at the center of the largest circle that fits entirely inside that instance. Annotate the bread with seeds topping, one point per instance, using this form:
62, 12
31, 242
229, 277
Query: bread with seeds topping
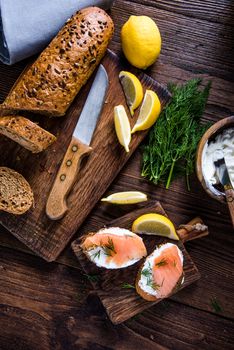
28, 134
51, 83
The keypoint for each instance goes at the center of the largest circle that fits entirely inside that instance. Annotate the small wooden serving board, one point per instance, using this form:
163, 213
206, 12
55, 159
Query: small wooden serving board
120, 303
48, 238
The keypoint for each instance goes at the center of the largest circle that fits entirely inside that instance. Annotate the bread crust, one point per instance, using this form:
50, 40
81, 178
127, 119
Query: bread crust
28, 134
51, 83
140, 291
16, 195
82, 242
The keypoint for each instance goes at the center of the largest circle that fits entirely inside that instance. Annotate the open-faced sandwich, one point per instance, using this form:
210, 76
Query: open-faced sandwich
113, 248
161, 273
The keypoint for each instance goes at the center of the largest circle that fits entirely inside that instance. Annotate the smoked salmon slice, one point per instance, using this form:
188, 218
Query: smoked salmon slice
114, 248
161, 272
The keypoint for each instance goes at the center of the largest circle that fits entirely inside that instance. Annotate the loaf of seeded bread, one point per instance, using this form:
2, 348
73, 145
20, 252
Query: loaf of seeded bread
28, 134
51, 83
16, 196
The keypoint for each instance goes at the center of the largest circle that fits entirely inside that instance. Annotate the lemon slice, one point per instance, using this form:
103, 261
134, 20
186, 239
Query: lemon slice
155, 224
132, 88
128, 197
149, 112
122, 126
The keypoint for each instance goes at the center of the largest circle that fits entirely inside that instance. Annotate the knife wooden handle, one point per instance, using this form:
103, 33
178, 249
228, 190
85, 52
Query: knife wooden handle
56, 205
230, 201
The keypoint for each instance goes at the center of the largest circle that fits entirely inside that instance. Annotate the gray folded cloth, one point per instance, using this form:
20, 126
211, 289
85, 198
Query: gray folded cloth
27, 26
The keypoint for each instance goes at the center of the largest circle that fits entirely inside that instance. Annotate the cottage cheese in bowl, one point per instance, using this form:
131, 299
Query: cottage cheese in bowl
221, 146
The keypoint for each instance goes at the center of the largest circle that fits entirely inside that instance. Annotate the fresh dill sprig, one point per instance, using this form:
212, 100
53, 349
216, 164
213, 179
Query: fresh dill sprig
127, 286
109, 248
215, 305
96, 255
153, 284
92, 278
171, 146
163, 262
147, 272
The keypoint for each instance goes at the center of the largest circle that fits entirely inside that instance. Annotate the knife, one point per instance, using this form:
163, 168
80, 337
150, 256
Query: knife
78, 148
224, 178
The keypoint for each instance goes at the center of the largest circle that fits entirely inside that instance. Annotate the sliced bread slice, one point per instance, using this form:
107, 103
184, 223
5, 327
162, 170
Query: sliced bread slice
28, 134
16, 195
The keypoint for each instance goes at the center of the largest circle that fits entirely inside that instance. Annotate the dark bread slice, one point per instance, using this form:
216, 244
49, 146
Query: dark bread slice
51, 83
16, 195
28, 134
90, 234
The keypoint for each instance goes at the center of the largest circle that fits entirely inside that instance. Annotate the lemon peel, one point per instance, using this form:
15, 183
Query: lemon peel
122, 126
155, 224
149, 112
126, 197
132, 88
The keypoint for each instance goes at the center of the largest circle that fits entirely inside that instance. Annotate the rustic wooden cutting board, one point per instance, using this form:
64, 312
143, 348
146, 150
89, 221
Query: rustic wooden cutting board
48, 238
120, 303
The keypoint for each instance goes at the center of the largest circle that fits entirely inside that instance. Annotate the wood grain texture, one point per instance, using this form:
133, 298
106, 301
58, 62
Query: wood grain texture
212, 255
187, 320
44, 307
48, 238
210, 10
207, 51
122, 304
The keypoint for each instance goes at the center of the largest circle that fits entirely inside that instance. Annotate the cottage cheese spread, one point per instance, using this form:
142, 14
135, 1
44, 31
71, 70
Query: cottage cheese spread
221, 146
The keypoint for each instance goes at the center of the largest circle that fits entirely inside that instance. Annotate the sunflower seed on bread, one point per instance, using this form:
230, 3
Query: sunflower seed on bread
28, 134
51, 83
16, 195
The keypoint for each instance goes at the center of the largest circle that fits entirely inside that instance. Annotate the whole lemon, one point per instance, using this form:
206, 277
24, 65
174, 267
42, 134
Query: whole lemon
141, 41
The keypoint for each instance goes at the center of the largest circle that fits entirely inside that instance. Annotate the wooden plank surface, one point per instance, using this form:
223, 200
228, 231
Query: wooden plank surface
122, 304
46, 237
188, 320
44, 306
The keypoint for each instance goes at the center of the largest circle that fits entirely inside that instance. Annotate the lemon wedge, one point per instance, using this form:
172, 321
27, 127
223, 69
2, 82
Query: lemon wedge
122, 126
155, 224
149, 112
132, 88
128, 197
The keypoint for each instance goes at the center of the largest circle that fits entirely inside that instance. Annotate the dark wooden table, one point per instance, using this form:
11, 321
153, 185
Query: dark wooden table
45, 306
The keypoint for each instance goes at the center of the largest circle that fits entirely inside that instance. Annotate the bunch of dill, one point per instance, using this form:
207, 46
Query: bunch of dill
170, 149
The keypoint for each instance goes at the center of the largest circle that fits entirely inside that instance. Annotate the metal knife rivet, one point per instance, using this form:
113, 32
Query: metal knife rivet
62, 177
69, 162
74, 148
